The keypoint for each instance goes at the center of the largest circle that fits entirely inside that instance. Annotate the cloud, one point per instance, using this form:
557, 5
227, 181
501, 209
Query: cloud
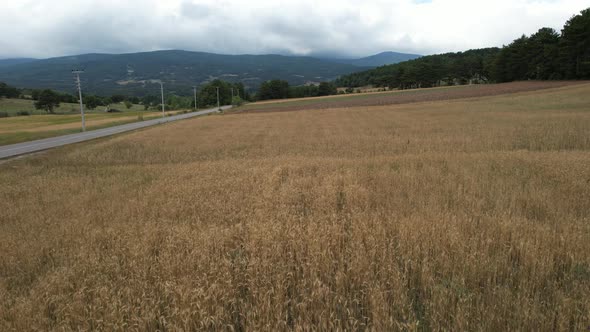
194, 11
44, 28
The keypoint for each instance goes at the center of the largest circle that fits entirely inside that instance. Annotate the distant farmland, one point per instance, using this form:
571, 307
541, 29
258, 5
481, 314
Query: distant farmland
16, 129
464, 214
396, 97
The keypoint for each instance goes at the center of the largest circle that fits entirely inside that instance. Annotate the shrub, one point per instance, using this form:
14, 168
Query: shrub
237, 101
4, 114
23, 113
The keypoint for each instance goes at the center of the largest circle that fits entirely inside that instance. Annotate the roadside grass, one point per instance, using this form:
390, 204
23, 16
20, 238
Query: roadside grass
25, 136
27, 128
462, 215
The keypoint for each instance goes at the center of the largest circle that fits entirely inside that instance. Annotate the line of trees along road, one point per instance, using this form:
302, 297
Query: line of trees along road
544, 55
48, 99
207, 95
280, 89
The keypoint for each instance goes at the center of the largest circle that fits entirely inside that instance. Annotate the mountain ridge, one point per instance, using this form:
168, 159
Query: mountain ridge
380, 59
15, 61
136, 73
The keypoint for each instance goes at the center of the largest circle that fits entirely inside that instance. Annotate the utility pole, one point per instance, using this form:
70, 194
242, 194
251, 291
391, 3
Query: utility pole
79, 85
195, 89
218, 108
162, 91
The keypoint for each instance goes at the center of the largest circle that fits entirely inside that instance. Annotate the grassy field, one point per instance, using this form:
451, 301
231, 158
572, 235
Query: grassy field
18, 129
12, 106
397, 97
452, 215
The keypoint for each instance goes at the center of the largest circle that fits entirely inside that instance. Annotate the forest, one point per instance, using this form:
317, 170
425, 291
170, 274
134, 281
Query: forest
280, 89
544, 55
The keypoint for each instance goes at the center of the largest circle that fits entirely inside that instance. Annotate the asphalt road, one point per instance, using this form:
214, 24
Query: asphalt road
13, 150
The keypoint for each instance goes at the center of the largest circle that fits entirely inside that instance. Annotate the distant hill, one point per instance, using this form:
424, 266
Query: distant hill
138, 73
11, 62
384, 58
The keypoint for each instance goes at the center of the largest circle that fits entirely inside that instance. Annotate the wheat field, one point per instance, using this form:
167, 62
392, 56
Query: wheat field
457, 215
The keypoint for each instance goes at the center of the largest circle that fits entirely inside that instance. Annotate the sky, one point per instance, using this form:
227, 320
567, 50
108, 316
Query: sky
343, 28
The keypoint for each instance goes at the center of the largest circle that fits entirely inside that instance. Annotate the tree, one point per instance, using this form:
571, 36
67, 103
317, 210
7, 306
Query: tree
326, 89
574, 46
303, 91
117, 98
47, 100
513, 61
274, 89
68, 98
8, 91
427, 71
207, 95
241, 91
92, 102
35, 94
175, 102
150, 100
543, 54
134, 100
128, 104
237, 101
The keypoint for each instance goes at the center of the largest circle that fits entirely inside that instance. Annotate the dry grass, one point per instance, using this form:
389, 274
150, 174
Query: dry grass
27, 128
460, 215
36, 123
398, 97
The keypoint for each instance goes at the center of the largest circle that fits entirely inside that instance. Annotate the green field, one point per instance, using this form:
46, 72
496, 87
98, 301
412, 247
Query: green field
16, 129
12, 106
18, 136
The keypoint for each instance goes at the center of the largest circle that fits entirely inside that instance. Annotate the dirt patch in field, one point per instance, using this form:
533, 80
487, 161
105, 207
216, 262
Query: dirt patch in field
409, 96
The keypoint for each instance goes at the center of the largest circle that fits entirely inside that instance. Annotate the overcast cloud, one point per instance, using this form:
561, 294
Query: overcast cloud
44, 28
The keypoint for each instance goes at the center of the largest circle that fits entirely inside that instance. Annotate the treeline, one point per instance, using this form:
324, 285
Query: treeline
90, 101
279, 89
443, 69
229, 94
48, 100
7, 91
547, 54
51, 97
544, 55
